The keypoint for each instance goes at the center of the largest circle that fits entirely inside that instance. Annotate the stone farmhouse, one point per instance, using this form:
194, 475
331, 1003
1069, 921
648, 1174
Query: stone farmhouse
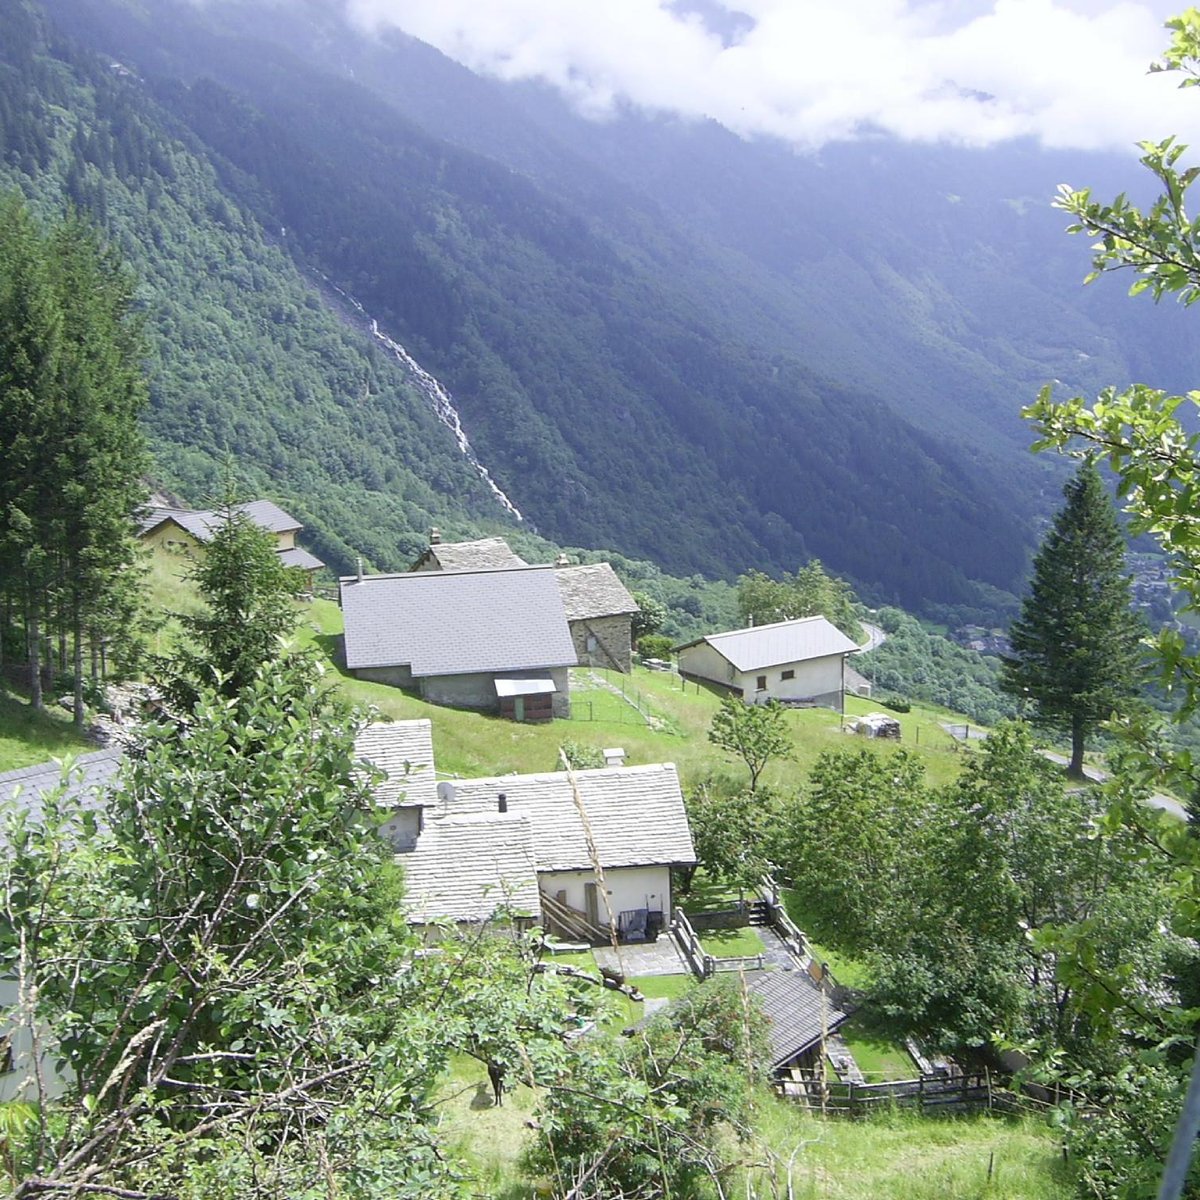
495, 640
794, 662
184, 532
599, 607
523, 844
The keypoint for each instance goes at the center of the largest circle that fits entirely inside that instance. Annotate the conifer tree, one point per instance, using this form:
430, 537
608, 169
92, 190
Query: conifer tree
1075, 647
71, 452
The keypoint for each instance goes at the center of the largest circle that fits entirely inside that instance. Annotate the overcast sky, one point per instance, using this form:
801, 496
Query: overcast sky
1069, 72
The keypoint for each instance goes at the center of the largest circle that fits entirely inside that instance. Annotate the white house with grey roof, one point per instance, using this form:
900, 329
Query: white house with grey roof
795, 662
564, 850
495, 640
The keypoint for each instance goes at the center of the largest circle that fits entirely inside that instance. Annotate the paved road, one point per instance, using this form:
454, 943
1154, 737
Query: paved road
1167, 804
875, 636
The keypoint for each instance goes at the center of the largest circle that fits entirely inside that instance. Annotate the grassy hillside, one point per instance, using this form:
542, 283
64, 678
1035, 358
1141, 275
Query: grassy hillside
894, 1155
649, 714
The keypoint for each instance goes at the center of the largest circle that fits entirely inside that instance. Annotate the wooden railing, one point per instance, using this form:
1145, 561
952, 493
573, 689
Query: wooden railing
928, 1093
702, 965
570, 921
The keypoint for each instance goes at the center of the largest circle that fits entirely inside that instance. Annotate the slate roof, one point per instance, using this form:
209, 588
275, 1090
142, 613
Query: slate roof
778, 644
457, 622
636, 814
404, 749
593, 590
482, 554
90, 774
466, 867
796, 1011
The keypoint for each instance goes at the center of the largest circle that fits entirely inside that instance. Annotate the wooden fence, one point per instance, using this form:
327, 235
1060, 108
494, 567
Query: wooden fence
929, 1093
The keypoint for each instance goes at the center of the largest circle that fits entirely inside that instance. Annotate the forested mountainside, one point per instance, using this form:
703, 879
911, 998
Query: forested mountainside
604, 367
247, 358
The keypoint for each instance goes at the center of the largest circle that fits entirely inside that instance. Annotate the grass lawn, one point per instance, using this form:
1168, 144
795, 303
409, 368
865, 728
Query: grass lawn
878, 1058
707, 894
846, 970
903, 1156
27, 737
731, 943
897, 1155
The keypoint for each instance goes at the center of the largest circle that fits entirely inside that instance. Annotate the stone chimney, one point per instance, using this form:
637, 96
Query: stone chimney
614, 756
562, 561
360, 570
435, 536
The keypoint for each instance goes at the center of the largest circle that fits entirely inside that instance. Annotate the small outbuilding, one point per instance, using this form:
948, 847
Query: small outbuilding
801, 662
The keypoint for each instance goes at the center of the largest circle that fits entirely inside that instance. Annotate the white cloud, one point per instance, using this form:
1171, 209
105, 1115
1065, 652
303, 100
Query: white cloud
1069, 72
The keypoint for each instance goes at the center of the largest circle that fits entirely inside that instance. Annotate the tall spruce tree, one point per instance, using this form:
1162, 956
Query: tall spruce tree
71, 452
1076, 644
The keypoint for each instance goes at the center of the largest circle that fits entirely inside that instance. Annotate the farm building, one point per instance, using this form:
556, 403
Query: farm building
495, 640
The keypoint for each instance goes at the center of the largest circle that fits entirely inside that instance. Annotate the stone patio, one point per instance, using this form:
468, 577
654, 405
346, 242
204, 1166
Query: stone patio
659, 957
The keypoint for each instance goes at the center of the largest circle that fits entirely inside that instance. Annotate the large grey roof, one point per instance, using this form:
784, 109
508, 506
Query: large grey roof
796, 1009
457, 622
403, 749
593, 590
466, 867
778, 644
636, 814
200, 522
89, 775
482, 554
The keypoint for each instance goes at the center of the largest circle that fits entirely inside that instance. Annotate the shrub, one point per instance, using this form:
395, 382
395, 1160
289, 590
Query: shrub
655, 645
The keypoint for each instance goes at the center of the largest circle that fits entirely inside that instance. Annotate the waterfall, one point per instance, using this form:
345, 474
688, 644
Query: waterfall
439, 399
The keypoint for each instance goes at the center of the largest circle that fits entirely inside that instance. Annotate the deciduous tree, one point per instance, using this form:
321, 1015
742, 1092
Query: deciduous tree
756, 733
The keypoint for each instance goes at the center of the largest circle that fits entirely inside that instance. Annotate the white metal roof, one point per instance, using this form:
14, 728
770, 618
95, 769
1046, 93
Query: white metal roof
779, 644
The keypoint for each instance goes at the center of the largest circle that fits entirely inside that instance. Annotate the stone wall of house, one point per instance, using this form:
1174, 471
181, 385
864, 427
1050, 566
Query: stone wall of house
392, 676
479, 690
604, 642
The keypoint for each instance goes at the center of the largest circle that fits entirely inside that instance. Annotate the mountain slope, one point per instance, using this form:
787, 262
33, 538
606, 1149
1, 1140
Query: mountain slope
598, 365
247, 356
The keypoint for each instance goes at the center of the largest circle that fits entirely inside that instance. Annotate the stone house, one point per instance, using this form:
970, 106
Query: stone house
183, 532
495, 640
599, 608
471, 847
599, 612
799, 662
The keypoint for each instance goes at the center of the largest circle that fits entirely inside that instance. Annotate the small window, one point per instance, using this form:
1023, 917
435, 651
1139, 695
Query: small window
788, 675
761, 683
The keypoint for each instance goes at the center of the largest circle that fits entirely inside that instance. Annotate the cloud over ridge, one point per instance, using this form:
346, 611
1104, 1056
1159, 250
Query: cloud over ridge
1071, 73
